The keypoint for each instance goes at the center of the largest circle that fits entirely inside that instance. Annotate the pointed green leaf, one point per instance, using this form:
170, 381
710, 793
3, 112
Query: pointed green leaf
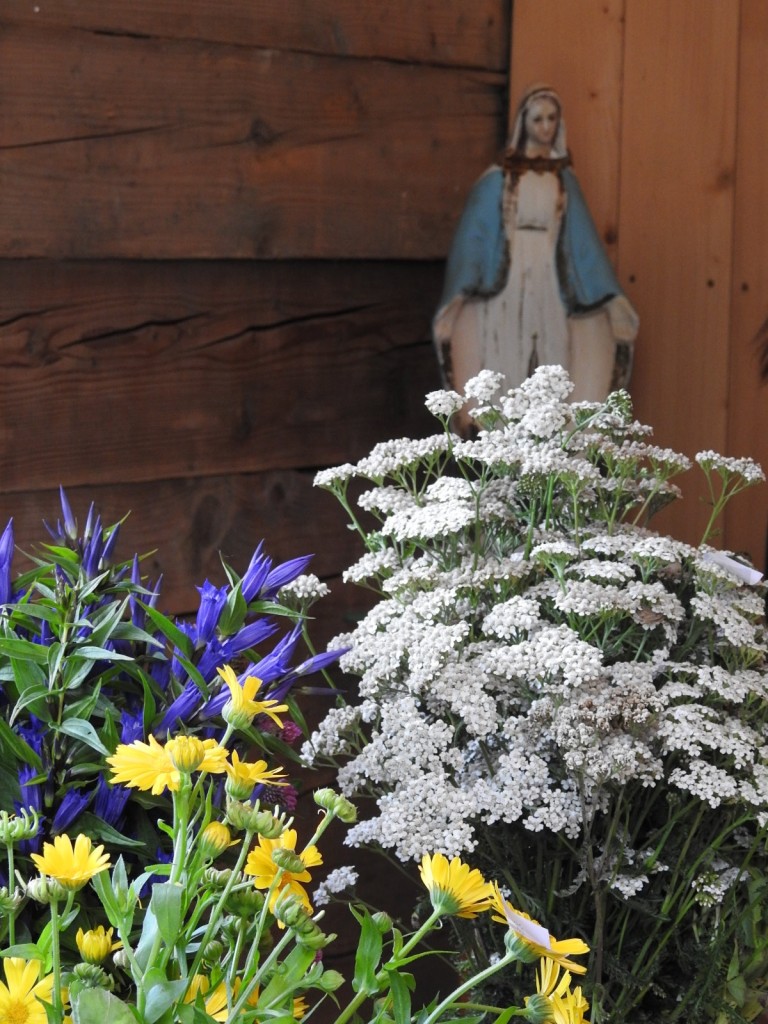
166, 905
24, 650
161, 993
81, 730
169, 629
9, 740
368, 953
93, 653
97, 1006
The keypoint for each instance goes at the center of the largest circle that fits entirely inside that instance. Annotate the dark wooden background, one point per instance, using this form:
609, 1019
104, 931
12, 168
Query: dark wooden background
222, 226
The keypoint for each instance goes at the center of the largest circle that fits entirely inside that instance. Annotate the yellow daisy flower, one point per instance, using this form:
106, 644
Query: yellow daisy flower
454, 887
300, 1007
215, 1000
535, 936
241, 708
95, 945
244, 775
151, 766
71, 866
261, 865
23, 989
555, 996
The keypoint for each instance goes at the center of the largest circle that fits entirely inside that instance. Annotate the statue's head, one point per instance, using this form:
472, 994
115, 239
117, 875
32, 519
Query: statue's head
539, 127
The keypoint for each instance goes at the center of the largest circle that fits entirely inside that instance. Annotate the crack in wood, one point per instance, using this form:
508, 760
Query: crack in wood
87, 138
132, 329
288, 322
410, 60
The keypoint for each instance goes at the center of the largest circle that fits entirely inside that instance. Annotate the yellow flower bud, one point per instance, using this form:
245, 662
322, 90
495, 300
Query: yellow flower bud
96, 944
187, 753
215, 839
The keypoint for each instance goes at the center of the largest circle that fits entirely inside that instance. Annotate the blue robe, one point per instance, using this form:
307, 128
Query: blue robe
477, 263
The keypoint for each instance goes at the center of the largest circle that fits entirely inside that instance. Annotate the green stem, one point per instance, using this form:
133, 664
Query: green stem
11, 883
473, 982
56, 959
219, 908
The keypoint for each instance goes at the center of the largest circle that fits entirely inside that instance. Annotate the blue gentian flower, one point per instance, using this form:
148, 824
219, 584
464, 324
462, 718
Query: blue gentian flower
109, 803
131, 726
255, 575
6, 558
70, 523
32, 733
92, 551
181, 709
212, 601
69, 810
177, 669
284, 573
31, 792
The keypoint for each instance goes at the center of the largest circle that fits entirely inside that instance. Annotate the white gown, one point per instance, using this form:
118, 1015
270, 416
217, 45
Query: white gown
525, 324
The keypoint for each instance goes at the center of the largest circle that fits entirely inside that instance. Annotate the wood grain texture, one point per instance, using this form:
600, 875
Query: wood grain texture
747, 517
676, 222
114, 146
448, 32
136, 372
577, 48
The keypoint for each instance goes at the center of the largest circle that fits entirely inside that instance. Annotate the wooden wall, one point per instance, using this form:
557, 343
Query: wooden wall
669, 131
222, 226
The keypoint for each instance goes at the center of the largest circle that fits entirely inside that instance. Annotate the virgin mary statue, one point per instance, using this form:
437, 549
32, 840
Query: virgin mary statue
527, 280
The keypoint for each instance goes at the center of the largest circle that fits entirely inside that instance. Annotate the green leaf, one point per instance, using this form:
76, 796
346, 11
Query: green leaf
93, 653
31, 696
149, 931
96, 828
233, 613
401, 996
23, 650
105, 621
81, 730
293, 970
169, 629
97, 1006
103, 888
166, 905
76, 671
25, 950
161, 993
368, 954
27, 674
9, 740
84, 707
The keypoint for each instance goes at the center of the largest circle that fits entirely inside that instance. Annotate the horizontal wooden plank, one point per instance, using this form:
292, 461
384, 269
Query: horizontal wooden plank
112, 146
134, 372
449, 32
186, 527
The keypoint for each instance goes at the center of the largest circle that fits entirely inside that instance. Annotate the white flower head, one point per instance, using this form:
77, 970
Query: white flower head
444, 403
484, 386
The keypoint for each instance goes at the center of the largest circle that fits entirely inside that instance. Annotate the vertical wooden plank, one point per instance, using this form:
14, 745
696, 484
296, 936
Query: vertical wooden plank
748, 403
577, 49
675, 222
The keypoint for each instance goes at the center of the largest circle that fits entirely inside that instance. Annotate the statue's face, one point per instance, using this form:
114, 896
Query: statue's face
541, 121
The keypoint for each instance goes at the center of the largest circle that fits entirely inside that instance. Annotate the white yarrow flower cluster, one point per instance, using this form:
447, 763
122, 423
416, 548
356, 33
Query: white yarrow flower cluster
337, 881
544, 671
